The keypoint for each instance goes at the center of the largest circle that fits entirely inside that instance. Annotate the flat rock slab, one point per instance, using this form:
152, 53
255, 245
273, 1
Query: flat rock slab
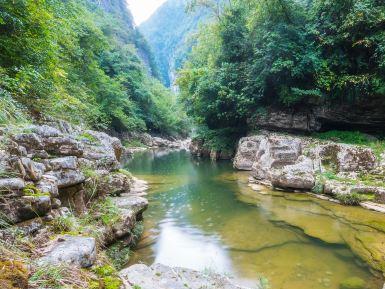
78, 251
160, 276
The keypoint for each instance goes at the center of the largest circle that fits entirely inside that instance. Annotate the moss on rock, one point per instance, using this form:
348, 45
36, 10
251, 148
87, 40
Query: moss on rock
13, 275
352, 283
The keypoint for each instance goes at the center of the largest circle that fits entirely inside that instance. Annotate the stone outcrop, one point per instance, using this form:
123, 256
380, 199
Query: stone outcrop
77, 251
158, 142
197, 148
42, 168
365, 115
160, 276
304, 163
247, 152
64, 190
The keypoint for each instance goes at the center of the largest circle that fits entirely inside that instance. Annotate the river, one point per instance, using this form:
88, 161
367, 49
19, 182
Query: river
203, 215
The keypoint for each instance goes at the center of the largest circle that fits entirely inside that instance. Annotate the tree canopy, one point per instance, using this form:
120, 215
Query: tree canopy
80, 60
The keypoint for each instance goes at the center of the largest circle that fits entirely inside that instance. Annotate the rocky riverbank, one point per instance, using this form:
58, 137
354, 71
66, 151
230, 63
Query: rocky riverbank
65, 203
351, 174
69, 214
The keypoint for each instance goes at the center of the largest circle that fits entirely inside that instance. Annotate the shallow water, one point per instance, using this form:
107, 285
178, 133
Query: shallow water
204, 216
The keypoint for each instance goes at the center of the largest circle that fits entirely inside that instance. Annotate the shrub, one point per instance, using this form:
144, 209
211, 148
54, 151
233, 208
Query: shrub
353, 199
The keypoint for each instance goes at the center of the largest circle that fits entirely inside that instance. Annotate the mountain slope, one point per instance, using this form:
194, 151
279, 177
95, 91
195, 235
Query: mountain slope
167, 31
83, 61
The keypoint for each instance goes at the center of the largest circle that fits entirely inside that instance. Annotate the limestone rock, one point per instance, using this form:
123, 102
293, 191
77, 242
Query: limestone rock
160, 276
354, 158
106, 144
63, 146
115, 183
30, 169
64, 163
23, 208
67, 178
247, 152
275, 152
11, 184
297, 176
286, 120
77, 251
48, 185
28, 140
45, 130
197, 148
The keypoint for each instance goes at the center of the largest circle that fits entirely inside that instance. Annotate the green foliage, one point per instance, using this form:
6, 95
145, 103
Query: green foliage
350, 137
63, 224
119, 254
218, 140
108, 276
106, 210
284, 54
133, 143
353, 137
78, 60
170, 46
352, 199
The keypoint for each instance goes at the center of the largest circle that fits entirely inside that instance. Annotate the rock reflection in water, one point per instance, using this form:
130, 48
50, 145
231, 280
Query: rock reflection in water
189, 248
204, 216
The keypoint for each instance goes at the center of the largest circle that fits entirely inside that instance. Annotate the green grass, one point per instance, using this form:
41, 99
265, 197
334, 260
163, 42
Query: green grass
353, 199
87, 136
119, 254
31, 190
353, 137
133, 143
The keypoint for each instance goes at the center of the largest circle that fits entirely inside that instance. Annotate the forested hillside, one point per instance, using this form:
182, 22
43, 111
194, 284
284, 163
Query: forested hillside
306, 65
79, 60
169, 32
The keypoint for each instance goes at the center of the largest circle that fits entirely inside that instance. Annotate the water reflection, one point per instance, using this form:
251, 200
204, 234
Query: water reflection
204, 216
188, 247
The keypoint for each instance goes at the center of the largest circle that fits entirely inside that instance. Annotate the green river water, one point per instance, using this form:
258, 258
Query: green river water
203, 215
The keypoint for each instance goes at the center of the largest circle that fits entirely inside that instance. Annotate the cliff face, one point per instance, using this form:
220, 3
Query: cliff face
119, 9
366, 115
168, 32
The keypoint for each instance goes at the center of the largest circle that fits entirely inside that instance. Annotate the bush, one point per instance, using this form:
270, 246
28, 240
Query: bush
350, 137
353, 199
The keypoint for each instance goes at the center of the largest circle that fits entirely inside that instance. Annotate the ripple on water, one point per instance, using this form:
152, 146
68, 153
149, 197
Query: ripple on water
205, 216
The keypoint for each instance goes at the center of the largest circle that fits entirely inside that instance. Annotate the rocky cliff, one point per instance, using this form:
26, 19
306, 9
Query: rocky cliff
365, 115
63, 193
353, 174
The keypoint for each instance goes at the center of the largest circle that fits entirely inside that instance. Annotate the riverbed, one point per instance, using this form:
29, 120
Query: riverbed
203, 215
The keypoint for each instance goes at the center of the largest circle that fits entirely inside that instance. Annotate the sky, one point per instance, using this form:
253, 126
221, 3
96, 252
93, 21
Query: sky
143, 9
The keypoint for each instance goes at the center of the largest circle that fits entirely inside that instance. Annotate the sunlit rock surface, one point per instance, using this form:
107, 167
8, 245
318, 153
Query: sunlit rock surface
160, 276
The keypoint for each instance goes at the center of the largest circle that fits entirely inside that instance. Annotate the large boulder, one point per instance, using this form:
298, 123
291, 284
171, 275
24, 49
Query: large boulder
297, 176
18, 209
354, 158
130, 210
102, 145
64, 163
160, 276
77, 251
29, 169
28, 140
247, 152
11, 184
63, 146
275, 152
67, 178
48, 185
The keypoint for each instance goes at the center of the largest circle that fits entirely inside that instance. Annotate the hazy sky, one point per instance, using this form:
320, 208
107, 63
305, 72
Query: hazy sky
142, 9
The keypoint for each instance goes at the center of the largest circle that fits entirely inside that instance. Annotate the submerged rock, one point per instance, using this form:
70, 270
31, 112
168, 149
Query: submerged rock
159, 276
353, 283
